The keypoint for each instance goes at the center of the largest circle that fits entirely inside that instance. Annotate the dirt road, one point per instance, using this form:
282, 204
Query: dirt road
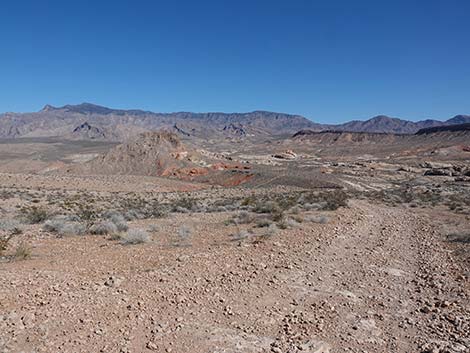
374, 279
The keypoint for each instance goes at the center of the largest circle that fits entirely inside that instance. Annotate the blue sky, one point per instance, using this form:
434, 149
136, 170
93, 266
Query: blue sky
330, 61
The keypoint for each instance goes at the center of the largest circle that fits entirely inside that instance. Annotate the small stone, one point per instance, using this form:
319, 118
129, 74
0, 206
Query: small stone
152, 346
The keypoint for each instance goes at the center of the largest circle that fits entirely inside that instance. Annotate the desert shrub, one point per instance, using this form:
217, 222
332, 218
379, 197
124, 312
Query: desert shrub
242, 217
294, 210
184, 204
184, 234
272, 208
118, 220
459, 237
292, 223
287, 201
63, 227
72, 228
267, 207
316, 219
157, 212
4, 240
131, 215
297, 218
153, 228
135, 236
249, 201
241, 234
263, 223
287, 223
87, 214
34, 214
103, 228
314, 206
22, 251
223, 205
272, 229
335, 200
180, 209
10, 225
268, 233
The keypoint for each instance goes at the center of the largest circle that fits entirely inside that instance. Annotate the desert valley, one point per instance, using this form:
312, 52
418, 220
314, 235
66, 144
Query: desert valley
133, 231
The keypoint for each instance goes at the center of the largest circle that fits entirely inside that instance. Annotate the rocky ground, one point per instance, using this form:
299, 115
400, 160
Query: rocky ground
322, 250
373, 279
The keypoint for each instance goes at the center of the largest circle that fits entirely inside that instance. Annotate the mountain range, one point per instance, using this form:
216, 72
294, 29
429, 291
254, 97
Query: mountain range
90, 121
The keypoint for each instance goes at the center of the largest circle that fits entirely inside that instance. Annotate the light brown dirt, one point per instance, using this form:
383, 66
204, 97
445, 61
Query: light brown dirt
374, 279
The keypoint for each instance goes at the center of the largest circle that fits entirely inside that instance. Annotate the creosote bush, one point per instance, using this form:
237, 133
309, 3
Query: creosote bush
34, 214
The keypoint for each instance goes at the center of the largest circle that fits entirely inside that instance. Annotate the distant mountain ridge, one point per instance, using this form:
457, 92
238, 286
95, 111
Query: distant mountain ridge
387, 124
447, 128
91, 121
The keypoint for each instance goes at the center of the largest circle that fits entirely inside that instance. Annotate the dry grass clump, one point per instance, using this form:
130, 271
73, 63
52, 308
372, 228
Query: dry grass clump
241, 234
4, 241
22, 252
270, 231
316, 219
8, 229
184, 235
135, 236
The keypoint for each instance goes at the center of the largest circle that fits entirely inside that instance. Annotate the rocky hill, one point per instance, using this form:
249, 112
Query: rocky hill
163, 154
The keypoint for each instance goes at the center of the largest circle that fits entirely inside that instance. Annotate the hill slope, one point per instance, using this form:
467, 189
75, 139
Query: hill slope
163, 154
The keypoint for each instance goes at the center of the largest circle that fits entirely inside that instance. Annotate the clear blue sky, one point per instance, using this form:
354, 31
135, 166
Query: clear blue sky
330, 61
